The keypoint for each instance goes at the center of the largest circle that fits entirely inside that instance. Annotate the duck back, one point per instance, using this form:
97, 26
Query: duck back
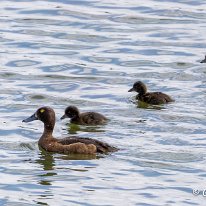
102, 147
92, 118
155, 98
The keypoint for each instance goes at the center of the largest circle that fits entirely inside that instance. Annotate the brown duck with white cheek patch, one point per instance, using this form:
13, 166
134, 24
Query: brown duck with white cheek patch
69, 144
150, 97
85, 118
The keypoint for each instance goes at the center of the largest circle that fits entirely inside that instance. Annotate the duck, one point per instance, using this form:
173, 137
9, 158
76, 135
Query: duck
85, 118
204, 60
154, 98
67, 145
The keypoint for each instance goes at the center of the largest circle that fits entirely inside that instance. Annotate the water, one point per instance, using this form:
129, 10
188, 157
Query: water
89, 53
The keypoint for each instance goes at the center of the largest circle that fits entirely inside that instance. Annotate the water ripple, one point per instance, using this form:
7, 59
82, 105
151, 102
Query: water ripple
88, 54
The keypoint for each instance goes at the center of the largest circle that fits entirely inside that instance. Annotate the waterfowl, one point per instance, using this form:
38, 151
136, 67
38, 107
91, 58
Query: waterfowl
204, 60
85, 118
69, 144
149, 97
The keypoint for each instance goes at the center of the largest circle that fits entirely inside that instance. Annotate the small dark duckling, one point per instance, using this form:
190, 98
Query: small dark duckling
204, 60
150, 97
85, 118
69, 144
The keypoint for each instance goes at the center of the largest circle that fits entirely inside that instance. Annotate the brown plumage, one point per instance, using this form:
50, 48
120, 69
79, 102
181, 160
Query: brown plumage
150, 97
102, 147
85, 118
66, 145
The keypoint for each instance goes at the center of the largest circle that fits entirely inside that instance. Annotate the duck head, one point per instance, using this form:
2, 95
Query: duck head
138, 87
44, 114
71, 112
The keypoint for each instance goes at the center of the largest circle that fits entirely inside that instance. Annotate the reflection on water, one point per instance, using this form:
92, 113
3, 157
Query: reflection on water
74, 128
46, 160
80, 157
144, 105
88, 53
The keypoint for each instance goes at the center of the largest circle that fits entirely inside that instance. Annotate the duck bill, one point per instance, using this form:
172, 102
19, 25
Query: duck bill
64, 116
30, 119
131, 90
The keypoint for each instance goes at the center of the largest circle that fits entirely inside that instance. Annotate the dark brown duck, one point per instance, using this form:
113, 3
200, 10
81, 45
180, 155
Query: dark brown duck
85, 118
69, 144
150, 97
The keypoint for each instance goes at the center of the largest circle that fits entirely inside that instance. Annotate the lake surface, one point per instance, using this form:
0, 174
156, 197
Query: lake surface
89, 53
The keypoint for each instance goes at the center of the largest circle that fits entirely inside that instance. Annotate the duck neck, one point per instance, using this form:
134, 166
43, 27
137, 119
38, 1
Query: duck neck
48, 130
75, 118
142, 90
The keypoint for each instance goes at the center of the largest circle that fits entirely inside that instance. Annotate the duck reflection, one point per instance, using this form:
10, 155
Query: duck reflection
74, 128
47, 159
80, 156
145, 105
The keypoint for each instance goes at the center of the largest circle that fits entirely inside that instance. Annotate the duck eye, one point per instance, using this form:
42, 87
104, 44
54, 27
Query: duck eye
42, 110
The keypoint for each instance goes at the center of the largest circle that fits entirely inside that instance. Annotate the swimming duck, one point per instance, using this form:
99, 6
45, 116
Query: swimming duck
69, 144
85, 118
204, 60
149, 97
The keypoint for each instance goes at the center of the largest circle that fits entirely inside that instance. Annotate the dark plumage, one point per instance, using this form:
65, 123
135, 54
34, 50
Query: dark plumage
149, 97
85, 118
68, 144
204, 60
